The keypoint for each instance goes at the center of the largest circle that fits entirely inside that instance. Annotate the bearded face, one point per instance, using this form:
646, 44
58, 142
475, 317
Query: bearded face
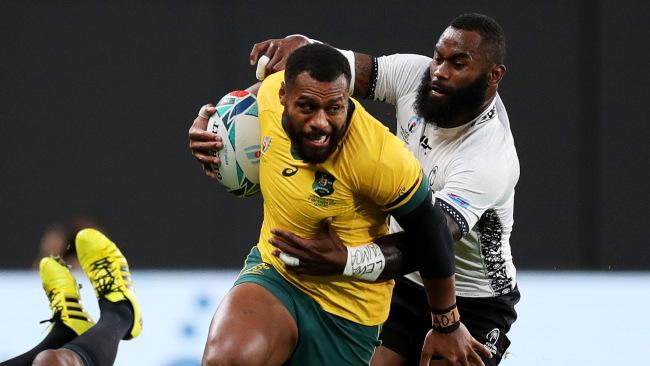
313, 146
441, 104
315, 116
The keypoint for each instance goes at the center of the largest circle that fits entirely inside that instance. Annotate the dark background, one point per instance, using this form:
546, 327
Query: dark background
96, 99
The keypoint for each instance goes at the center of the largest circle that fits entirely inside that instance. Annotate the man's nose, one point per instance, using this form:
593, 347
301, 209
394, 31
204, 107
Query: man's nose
441, 71
319, 120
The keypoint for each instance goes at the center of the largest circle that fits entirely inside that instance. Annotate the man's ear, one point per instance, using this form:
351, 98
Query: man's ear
282, 93
496, 74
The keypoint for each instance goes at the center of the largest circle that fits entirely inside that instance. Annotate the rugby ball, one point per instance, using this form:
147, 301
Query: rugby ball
237, 123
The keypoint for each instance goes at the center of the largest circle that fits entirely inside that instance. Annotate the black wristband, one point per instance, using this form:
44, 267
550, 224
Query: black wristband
445, 321
448, 329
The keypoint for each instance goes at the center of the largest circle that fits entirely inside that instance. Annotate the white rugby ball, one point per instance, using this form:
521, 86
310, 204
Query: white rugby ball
237, 123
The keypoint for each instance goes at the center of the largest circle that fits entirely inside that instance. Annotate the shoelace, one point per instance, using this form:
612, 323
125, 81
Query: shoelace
56, 316
55, 304
104, 282
73, 305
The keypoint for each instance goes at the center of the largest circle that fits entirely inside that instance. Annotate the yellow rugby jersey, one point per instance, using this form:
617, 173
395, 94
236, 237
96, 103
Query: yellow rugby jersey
370, 173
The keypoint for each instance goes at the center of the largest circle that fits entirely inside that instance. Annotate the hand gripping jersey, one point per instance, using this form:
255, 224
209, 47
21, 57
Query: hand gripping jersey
370, 173
472, 170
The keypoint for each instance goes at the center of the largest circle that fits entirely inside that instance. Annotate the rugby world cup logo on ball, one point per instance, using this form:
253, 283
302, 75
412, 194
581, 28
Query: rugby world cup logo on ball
237, 123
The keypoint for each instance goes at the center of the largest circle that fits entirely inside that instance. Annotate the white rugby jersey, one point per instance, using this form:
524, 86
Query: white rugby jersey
472, 170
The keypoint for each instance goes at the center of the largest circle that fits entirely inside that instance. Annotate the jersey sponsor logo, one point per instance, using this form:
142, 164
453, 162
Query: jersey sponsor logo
487, 116
460, 201
424, 142
412, 124
323, 184
257, 269
432, 176
288, 172
253, 154
266, 144
492, 338
322, 202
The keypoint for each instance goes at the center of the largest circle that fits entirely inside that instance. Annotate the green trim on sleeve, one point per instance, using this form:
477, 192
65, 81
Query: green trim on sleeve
415, 201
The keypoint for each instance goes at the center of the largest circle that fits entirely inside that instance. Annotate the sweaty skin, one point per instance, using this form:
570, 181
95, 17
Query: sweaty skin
57, 357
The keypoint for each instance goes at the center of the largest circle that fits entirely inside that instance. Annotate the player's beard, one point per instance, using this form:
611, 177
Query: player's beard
307, 154
445, 111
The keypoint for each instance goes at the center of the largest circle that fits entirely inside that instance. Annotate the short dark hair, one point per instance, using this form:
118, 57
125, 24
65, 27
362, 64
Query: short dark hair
322, 62
491, 33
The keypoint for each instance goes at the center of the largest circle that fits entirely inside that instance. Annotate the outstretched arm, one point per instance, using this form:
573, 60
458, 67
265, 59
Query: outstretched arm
278, 50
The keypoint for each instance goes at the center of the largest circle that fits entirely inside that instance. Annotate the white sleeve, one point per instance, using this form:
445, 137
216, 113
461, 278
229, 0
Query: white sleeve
470, 190
398, 75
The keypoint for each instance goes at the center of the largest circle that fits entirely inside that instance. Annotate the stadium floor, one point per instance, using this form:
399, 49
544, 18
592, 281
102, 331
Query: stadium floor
565, 318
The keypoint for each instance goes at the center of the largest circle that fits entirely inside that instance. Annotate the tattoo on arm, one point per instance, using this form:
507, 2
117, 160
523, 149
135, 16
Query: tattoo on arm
363, 74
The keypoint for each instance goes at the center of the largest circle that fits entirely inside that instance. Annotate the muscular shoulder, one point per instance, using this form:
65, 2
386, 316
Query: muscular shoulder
367, 135
372, 149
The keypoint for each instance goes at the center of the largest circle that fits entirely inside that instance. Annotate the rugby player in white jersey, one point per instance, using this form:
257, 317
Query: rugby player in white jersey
450, 115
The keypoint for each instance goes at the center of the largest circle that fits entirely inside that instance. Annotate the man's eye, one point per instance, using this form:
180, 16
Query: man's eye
334, 109
305, 107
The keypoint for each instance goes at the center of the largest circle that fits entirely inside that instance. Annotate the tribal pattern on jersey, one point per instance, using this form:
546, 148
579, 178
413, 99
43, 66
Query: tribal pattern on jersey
490, 230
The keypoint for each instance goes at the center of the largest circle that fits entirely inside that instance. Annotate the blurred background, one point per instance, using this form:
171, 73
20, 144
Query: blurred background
96, 99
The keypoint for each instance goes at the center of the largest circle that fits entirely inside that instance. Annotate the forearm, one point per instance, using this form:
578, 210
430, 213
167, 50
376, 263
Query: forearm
441, 292
399, 259
429, 236
253, 89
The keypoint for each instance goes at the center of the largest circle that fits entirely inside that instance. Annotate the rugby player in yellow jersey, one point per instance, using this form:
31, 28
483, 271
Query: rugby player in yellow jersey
323, 156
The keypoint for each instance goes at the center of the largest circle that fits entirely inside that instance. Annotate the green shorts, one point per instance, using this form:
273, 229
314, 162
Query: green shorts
323, 338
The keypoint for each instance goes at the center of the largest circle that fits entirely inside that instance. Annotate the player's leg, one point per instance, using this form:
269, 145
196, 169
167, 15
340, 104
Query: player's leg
251, 327
385, 356
68, 316
57, 357
327, 339
255, 323
408, 323
120, 318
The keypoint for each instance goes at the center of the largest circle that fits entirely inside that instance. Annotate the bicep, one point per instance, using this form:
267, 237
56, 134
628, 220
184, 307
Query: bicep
454, 229
426, 230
